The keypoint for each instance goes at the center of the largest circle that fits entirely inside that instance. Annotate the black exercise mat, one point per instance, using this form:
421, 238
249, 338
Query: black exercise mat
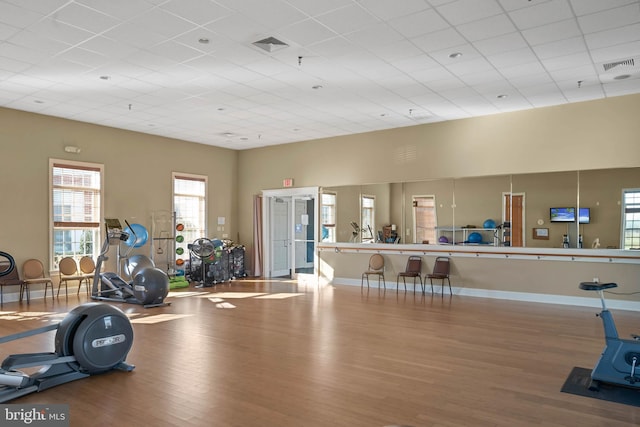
578, 383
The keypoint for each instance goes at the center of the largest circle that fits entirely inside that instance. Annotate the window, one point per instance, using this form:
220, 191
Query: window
328, 217
424, 219
76, 210
189, 204
368, 204
630, 219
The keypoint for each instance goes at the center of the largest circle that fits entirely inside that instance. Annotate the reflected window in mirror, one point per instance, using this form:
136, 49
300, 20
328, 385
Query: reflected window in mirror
424, 219
328, 217
367, 217
631, 219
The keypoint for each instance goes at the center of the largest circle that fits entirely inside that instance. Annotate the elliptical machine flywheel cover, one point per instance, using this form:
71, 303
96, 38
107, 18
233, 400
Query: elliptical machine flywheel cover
98, 335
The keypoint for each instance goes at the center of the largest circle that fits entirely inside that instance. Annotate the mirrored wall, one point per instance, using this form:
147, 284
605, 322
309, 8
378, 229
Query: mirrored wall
556, 209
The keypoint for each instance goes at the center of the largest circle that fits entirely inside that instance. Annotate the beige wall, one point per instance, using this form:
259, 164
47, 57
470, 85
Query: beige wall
588, 135
137, 175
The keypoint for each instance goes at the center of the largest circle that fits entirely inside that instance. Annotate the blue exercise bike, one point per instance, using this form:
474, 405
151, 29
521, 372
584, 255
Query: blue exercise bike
620, 359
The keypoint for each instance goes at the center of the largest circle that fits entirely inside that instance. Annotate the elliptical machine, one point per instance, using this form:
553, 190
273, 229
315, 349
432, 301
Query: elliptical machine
149, 286
619, 362
93, 338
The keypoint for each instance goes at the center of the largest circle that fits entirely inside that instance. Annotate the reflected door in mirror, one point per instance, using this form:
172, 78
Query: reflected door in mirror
513, 213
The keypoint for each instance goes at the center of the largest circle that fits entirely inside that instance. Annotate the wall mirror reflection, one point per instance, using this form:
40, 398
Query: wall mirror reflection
573, 209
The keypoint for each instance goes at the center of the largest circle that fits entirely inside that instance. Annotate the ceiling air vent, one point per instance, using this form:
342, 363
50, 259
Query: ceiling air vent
270, 44
623, 63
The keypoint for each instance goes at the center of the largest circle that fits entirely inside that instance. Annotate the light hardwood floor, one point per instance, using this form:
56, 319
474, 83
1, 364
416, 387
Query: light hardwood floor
336, 357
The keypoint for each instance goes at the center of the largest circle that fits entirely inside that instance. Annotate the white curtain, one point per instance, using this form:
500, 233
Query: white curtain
257, 236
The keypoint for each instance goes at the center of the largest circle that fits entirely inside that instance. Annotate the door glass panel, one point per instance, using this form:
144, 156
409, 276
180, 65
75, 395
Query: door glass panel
304, 234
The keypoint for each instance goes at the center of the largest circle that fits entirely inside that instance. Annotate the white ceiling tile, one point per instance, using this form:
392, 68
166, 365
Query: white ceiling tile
387, 10
541, 14
604, 39
271, 14
439, 40
315, 7
198, 11
379, 57
17, 16
161, 22
336, 46
463, 11
304, 33
513, 57
616, 53
420, 23
129, 34
121, 9
375, 35
503, 43
573, 62
347, 19
586, 7
552, 32
176, 52
610, 19
38, 42
86, 18
486, 28
560, 48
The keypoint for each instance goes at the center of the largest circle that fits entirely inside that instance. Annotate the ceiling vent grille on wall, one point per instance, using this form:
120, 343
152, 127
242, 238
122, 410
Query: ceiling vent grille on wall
270, 44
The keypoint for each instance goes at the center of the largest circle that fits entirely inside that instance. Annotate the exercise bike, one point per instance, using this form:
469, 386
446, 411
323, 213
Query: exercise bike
92, 338
620, 360
149, 286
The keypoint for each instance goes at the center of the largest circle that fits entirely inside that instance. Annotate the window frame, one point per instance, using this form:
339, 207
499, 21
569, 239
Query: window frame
98, 228
205, 200
635, 241
372, 209
331, 227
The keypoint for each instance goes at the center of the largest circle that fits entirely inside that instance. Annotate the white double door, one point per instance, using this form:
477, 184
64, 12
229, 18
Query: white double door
290, 232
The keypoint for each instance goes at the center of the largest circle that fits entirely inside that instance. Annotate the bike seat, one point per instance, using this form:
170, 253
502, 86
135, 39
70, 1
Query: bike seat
594, 286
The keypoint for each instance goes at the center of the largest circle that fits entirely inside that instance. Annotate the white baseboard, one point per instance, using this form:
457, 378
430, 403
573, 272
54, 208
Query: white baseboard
508, 295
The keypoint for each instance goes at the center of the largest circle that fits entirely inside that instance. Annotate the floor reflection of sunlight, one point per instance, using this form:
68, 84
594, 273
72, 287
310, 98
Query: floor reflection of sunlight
149, 320
279, 296
232, 295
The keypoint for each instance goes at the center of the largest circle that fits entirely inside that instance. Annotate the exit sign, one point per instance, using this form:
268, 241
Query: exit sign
287, 182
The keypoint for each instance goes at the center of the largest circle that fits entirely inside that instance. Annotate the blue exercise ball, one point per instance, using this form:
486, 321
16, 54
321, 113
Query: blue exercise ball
217, 243
489, 224
475, 237
138, 237
443, 239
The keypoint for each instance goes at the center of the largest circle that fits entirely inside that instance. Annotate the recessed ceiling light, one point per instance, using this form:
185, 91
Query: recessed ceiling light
203, 40
455, 55
622, 77
227, 134
105, 77
244, 138
37, 101
221, 109
502, 96
316, 87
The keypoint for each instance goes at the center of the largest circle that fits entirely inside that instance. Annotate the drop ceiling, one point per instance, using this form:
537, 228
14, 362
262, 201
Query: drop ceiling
189, 69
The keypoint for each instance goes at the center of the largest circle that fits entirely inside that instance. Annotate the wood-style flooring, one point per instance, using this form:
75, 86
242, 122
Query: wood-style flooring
290, 356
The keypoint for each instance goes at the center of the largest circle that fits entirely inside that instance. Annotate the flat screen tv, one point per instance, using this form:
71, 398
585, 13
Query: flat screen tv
584, 215
562, 214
